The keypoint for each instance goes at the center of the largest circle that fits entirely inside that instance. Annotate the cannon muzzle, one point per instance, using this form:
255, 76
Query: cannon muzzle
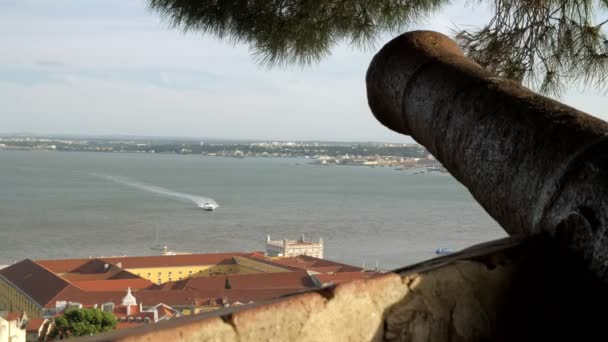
534, 164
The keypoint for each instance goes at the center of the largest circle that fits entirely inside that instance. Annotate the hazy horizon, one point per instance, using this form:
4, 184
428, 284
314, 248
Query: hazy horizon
184, 138
112, 67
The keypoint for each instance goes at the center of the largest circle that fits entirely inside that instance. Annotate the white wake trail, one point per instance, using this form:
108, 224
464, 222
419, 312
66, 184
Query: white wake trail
200, 201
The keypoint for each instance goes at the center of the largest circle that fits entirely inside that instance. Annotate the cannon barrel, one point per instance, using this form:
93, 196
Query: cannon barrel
534, 164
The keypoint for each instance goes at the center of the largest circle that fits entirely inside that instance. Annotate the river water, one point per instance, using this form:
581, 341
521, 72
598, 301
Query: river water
72, 204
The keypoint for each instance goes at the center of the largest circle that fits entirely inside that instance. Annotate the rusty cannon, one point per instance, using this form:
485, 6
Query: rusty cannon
534, 164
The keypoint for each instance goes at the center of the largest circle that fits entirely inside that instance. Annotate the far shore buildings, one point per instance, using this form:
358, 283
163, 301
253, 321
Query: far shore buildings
147, 289
292, 248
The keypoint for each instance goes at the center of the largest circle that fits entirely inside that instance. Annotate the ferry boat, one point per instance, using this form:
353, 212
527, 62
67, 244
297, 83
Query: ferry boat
442, 251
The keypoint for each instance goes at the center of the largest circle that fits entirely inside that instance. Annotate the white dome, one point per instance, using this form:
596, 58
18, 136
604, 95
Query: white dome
129, 299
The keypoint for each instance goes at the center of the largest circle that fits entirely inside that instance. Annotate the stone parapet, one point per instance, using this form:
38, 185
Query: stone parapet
505, 290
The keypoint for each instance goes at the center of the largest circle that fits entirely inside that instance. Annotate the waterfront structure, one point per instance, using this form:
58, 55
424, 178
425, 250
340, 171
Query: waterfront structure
180, 284
292, 248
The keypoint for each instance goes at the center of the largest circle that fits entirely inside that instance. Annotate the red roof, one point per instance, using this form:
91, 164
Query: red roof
245, 288
98, 281
147, 297
34, 324
63, 265
164, 311
13, 316
342, 277
121, 312
247, 296
97, 264
36, 281
174, 260
315, 264
266, 281
113, 285
112, 274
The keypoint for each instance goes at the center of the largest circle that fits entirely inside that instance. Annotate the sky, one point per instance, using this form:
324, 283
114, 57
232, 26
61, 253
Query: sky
106, 67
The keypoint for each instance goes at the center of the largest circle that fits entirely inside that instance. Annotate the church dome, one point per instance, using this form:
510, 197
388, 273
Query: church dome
129, 299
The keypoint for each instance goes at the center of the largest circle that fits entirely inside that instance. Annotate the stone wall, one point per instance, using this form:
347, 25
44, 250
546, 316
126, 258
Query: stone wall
505, 290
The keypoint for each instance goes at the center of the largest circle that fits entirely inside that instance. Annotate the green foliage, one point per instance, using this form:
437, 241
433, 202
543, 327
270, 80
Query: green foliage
294, 31
544, 43
83, 322
227, 285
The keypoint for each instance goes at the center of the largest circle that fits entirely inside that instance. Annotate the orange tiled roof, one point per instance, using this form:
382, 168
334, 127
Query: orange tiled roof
163, 311
174, 260
315, 264
63, 265
279, 280
113, 284
121, 312
248, 295
96, 281
342, 277
12, 316
34, 324
147, 297
97, 264
113, 274
245, 288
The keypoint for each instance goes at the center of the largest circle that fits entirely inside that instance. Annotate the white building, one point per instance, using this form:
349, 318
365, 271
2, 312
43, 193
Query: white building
292, 248
11, 327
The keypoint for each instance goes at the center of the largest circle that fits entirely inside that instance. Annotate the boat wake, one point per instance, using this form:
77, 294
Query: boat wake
206, 203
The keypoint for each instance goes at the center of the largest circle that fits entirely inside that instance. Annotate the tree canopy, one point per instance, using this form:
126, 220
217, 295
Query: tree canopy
83, 322
546, 44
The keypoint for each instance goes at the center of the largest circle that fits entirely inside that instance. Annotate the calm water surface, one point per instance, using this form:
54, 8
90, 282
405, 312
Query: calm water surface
55, 205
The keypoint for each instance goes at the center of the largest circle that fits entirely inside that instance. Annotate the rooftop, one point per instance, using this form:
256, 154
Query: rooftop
12, 315
96, 281
504, 290
97, 265
37, 282
112, 284
315, 264
34, 324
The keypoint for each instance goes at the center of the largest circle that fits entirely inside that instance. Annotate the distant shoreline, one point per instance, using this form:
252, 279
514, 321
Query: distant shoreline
326, 152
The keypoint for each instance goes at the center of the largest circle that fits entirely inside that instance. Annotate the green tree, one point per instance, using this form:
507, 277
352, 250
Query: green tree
543, 43
227, 285
83, 322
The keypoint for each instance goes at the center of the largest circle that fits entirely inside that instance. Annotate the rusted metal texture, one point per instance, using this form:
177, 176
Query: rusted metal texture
534, 164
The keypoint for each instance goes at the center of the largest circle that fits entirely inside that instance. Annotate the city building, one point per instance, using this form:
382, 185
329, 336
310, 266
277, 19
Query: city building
18, 327
292, 248
11, 326
147, 289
